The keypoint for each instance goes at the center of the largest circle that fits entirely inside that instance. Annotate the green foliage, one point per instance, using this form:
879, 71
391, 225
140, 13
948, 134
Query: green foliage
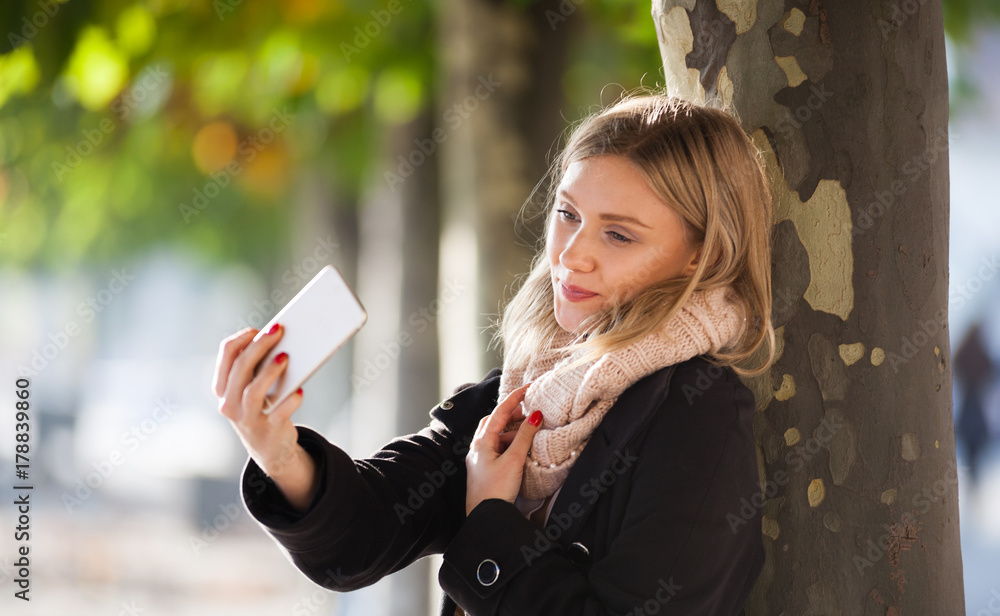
126, 124
960, 16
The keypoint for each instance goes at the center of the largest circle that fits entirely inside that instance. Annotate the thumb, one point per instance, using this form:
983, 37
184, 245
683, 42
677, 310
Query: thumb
525, 434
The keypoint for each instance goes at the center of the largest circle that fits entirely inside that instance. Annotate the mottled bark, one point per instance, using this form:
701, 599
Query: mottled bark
849, 102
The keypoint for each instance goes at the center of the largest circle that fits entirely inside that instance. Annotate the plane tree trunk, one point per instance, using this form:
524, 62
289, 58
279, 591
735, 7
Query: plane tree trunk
849, 103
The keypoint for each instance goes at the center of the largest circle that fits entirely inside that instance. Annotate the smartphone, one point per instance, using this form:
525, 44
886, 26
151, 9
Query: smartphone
317, 321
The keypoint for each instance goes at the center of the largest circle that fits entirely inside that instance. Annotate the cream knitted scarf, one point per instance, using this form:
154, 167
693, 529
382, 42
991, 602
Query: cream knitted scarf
574, 402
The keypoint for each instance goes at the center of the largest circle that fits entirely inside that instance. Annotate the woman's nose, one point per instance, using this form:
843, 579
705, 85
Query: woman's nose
577, 255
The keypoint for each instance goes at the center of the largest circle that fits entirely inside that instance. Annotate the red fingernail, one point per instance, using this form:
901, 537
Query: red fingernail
299, 391
280, 357
273, 329
535, 418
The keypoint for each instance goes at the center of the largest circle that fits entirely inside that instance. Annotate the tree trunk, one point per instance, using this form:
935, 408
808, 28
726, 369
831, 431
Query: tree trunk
395, 381
849, 102
501, 102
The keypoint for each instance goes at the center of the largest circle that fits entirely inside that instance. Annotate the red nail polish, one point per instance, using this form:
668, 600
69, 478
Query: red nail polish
280, 357
273, 329
535, 418
299, 391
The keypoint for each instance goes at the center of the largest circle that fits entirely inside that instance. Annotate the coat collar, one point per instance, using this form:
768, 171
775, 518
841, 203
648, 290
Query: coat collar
609, 448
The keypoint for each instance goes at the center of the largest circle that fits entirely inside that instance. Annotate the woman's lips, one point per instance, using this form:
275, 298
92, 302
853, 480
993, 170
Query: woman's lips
575, 294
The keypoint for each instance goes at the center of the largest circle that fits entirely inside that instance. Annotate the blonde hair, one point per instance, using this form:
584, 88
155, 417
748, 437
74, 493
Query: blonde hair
698, 161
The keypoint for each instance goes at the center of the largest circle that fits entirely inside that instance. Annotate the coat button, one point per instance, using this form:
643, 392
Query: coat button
488, 572
579, 554
447, 404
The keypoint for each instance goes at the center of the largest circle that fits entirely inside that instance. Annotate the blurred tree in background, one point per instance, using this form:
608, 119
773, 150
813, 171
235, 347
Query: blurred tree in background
131, 124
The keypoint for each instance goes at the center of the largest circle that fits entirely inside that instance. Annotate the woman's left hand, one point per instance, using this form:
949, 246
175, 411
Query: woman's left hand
495, 462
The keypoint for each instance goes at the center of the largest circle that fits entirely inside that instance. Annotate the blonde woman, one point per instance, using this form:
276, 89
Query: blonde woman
625, 490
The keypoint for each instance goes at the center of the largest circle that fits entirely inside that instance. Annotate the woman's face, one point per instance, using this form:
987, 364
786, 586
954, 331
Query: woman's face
611, 234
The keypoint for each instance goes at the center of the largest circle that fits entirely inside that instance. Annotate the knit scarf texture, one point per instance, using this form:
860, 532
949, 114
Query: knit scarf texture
574, 402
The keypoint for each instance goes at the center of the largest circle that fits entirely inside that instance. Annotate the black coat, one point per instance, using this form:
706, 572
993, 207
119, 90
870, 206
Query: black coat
650, 520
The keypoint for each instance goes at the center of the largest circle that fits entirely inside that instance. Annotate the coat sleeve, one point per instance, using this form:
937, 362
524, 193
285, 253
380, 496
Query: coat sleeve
374, 516
678, 550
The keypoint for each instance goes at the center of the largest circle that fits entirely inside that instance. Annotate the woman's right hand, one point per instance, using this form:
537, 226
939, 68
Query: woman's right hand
271, 440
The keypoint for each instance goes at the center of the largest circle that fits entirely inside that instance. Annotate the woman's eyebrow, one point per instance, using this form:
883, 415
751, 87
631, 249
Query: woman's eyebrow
607, 215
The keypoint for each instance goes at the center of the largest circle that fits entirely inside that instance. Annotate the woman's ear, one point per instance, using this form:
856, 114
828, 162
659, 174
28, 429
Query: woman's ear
692, 265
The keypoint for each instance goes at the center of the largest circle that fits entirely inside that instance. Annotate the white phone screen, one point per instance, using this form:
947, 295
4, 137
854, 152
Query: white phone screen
317, 321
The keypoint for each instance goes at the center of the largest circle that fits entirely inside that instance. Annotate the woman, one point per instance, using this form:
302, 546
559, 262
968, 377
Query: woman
621, 493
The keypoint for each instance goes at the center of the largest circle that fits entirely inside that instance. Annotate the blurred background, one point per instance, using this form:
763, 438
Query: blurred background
172, 171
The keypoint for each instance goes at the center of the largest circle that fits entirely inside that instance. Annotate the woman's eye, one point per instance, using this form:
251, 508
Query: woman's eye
619, 238
566, 214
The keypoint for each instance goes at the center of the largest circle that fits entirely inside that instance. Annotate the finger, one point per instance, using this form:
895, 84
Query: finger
245, 362
525, 434
288, 406
256, 391
502, 413
507, 437
229, 348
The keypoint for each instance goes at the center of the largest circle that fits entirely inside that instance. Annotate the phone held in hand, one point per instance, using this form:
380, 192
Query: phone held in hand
317, 322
